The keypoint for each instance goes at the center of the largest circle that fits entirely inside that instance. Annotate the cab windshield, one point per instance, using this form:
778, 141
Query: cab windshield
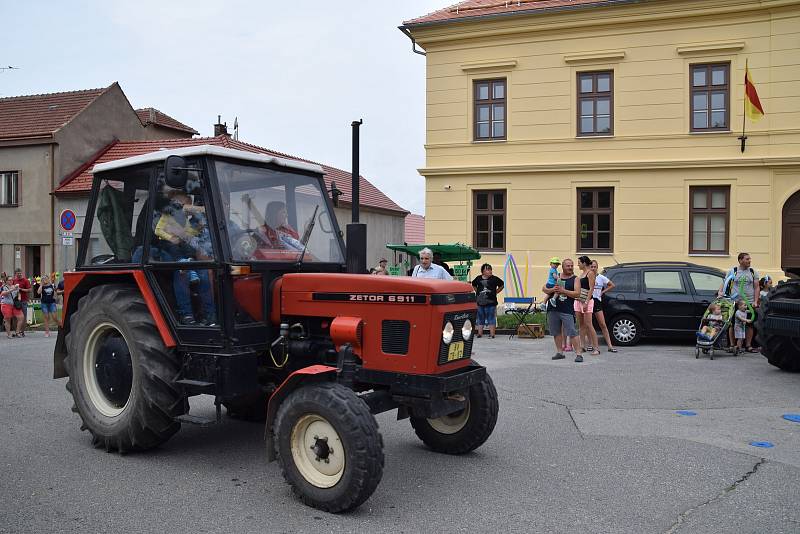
272, 215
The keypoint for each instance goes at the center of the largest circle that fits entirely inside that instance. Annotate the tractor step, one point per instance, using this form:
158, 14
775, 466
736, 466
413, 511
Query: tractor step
196, 420
197, 386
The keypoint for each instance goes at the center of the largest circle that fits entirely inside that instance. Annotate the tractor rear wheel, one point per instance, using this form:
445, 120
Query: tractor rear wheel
328, 446
465, 430
780, 350
120, 372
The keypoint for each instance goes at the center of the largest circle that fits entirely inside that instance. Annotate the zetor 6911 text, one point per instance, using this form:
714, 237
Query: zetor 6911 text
213, 271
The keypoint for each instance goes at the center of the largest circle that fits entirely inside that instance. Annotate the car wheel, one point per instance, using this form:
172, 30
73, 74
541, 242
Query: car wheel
626, 330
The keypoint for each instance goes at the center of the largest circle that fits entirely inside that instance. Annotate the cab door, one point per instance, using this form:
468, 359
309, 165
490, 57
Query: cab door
667, 302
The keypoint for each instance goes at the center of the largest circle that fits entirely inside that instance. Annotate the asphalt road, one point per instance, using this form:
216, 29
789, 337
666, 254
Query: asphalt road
592, 447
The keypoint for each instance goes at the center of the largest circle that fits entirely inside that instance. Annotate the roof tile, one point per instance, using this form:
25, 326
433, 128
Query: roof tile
81, 183
415, 228
478, 8
41, 115
159, 118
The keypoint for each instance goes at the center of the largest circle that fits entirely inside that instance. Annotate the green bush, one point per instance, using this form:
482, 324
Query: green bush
508, 321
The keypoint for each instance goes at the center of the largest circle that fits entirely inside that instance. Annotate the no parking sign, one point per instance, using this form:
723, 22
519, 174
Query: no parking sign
68, 220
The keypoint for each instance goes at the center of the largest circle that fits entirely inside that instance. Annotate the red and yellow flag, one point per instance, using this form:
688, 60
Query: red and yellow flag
752, 105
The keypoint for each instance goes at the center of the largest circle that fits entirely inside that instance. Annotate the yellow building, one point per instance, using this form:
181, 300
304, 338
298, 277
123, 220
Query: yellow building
610, 128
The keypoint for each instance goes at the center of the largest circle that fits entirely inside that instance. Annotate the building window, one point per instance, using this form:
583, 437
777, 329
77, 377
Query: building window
490, 220
9, 188
490, 109
596, 103
596, 219
710, 99
709, 214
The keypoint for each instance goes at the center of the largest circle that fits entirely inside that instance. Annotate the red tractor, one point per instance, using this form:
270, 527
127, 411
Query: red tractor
192, 278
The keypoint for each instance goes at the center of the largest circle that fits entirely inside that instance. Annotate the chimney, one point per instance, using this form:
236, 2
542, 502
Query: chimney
220, 128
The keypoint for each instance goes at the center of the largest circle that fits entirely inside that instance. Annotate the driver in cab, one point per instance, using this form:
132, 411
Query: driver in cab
276, 231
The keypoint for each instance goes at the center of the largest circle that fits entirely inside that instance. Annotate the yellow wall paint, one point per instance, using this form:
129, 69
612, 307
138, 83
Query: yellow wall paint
651, 161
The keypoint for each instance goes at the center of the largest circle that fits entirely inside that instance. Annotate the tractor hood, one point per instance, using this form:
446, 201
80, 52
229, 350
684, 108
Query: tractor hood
365, 283
332, 295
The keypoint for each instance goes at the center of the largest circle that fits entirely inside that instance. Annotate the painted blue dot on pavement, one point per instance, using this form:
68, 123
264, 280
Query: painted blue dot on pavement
686, 412
762, 444
793, 417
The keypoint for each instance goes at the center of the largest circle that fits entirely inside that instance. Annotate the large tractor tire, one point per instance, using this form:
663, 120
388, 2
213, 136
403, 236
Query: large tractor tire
120, 372
328, 447
465, 430
780, 350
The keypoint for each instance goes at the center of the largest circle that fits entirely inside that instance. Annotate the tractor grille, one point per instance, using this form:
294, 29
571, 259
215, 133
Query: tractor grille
394, 336
457, 318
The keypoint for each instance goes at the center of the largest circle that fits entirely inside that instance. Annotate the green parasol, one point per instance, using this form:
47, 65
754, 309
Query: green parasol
448, 251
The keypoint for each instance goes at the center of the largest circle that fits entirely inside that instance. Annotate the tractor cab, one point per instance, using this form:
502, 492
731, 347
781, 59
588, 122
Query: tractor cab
211, 228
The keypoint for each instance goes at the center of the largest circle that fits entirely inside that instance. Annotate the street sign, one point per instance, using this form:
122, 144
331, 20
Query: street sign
66, 234
67, 241
68, 220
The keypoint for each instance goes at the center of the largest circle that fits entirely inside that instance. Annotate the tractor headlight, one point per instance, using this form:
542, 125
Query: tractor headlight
466, 330
447, 333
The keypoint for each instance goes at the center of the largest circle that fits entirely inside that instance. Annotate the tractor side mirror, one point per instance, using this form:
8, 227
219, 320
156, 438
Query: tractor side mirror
175, 172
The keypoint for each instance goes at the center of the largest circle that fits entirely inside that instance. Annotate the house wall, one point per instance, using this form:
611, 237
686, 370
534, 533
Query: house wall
108, 118
382, 228
651, 160
153, 131
26, 224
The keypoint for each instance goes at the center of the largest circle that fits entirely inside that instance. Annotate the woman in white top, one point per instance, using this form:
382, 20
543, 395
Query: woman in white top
602, 285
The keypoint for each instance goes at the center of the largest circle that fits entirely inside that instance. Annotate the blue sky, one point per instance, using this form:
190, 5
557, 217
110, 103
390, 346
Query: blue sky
294, 73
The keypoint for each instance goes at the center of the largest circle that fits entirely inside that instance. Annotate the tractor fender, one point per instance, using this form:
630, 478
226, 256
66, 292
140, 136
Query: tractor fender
78, 285
312, 373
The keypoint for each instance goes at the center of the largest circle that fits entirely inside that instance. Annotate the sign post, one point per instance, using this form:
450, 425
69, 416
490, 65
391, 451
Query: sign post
68, 220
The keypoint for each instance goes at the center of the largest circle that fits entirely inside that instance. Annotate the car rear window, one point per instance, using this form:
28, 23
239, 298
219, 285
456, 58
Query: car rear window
625, 281
663, 282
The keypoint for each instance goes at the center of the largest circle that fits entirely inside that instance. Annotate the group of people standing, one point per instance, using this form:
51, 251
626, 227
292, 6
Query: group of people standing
15, 294
743, 286
574, 297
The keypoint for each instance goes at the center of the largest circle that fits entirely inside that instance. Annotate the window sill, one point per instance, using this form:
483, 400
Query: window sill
9, 205
491, 251
709, 255
479, 141
605, 136
709, 132
594, 253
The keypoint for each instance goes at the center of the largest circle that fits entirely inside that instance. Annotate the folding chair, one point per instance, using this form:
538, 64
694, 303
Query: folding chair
518, 308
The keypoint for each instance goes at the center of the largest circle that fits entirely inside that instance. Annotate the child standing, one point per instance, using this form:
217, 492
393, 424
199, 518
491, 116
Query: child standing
740, 324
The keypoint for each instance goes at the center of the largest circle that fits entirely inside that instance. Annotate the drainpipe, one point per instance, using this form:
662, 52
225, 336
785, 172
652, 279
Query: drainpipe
413, 41
52, 209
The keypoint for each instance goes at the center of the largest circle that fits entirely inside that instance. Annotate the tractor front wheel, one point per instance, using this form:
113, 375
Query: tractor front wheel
328, 447
120, 372
465, 430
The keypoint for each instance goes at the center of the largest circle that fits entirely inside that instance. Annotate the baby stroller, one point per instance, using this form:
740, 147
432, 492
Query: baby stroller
719, 340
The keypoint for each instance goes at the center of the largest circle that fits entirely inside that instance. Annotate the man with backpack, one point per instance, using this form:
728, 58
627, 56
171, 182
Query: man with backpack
742, 283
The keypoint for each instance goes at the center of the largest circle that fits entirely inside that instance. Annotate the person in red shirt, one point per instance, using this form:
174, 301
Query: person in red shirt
25, 291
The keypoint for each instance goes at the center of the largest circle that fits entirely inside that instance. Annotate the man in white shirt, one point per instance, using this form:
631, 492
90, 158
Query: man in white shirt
428, 269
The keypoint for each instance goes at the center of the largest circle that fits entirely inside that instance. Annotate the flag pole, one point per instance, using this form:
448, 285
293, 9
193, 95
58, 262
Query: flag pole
743, 138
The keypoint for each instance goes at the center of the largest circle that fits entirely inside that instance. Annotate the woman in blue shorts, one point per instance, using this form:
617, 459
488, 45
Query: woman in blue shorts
48, 293
487, 286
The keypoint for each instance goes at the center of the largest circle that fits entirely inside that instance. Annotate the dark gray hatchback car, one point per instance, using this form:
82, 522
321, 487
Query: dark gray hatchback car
658, 299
